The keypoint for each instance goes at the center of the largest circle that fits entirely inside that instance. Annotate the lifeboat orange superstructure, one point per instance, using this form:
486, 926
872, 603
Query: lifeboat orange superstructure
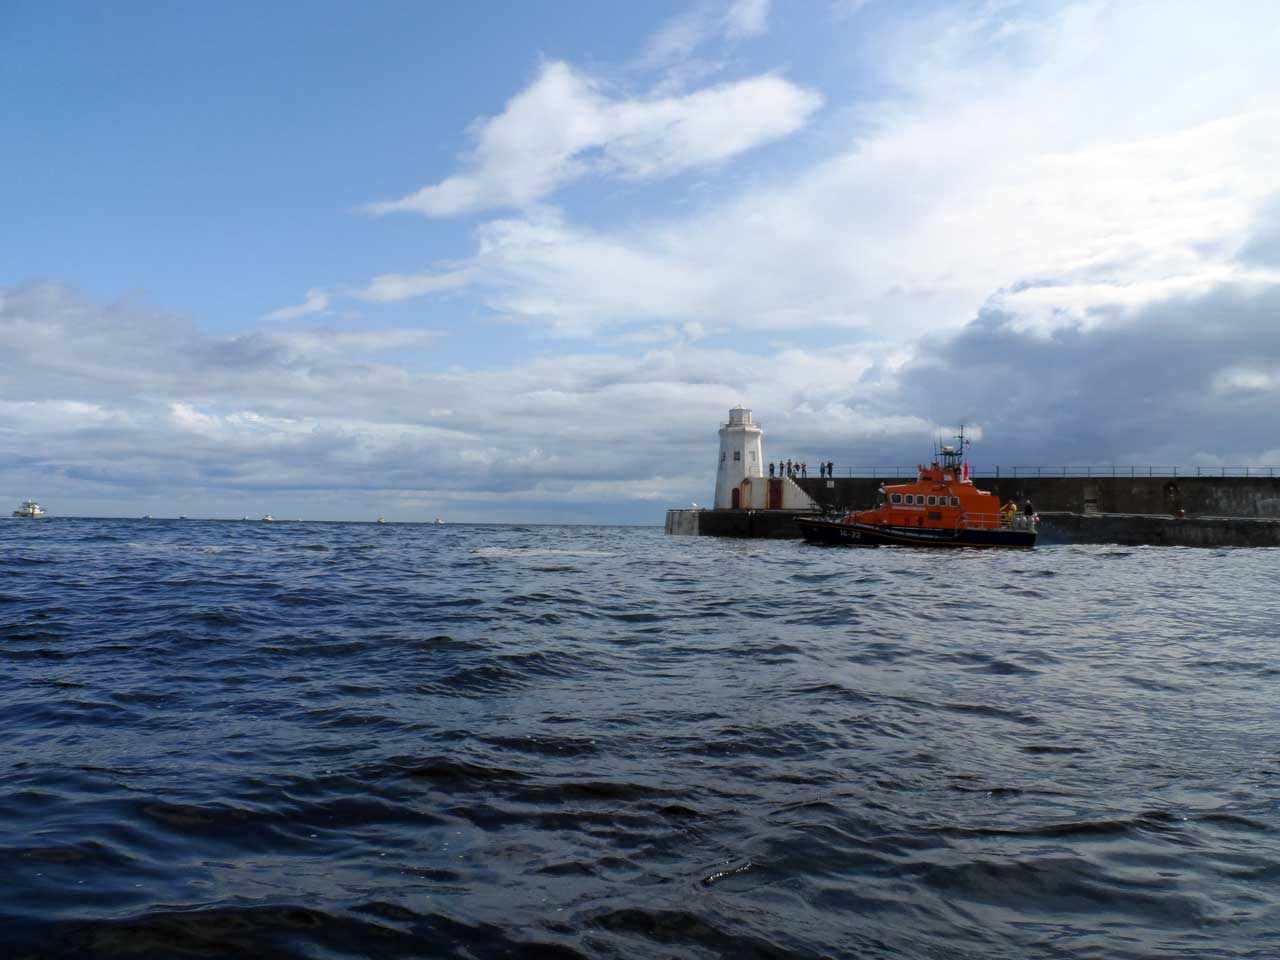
942, 497
941, 508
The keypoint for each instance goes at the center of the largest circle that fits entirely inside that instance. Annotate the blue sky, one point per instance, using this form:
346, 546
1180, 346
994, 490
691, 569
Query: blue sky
515, 262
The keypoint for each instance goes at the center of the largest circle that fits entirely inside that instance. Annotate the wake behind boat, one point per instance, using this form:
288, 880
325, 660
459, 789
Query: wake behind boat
941, 509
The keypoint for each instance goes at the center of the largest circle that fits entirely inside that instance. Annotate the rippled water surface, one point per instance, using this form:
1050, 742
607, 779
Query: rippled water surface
350, 740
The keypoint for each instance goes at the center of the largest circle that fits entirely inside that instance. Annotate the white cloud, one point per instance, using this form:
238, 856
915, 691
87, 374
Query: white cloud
317, 301
1123, 151
565, 126
404, 286
1247, 378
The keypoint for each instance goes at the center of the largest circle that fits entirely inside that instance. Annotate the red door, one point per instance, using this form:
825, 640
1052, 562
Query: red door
775, 493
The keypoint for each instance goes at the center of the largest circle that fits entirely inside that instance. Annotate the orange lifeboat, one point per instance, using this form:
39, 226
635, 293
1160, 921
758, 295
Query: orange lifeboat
941, 509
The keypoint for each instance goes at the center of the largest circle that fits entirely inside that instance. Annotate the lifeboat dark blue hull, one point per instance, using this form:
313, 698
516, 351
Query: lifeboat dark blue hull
839, 533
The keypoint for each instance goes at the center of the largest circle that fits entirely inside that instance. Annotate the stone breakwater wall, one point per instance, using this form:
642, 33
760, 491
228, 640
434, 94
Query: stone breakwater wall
1060, 527
1132, 530
1257, 497
1219, 511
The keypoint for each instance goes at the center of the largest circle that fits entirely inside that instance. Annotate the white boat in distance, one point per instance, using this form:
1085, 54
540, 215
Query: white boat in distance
382, 520
268, 518
439, 522
30, 510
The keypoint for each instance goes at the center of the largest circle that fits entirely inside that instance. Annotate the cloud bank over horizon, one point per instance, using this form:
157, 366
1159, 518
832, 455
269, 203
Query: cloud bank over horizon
150, 411
1054, 222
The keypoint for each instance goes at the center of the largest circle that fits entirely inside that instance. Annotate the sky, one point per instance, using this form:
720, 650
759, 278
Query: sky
515, 262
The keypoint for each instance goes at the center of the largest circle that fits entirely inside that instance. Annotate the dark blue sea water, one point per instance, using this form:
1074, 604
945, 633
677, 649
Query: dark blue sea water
230, 739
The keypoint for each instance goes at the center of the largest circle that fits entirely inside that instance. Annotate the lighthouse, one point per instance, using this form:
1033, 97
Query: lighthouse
741, 457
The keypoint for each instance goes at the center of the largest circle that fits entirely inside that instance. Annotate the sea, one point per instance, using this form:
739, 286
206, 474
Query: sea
248, 739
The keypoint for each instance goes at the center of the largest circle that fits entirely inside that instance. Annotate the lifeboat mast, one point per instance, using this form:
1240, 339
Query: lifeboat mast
953, 458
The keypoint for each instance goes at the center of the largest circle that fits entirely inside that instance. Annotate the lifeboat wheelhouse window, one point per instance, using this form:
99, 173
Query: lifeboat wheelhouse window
933, 501
895, 497
955, 501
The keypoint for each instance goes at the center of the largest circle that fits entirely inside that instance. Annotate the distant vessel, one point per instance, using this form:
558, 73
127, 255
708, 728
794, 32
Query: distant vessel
146, 516
381, 520
182, 516
268, 518
941, 509
439, 522
30, 510
244, 518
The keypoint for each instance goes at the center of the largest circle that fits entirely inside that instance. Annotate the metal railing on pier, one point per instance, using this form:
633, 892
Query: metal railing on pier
894, 473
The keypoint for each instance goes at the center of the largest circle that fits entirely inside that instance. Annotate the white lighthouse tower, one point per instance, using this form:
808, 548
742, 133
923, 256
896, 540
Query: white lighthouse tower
741, 456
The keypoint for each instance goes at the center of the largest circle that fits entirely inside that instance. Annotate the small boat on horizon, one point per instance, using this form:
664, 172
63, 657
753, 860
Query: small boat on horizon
268, 518
30, 510
941, 509
438, 522
381, 520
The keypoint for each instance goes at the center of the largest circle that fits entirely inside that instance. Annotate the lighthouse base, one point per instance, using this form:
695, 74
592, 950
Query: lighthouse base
772, 524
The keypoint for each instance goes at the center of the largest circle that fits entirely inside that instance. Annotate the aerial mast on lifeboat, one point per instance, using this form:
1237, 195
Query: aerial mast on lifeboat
964, 443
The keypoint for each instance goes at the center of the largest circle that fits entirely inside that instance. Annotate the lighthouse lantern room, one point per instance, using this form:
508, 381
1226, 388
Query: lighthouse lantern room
741, 457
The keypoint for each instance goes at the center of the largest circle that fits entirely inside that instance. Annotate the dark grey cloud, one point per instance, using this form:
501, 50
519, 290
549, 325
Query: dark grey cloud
1162, 385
